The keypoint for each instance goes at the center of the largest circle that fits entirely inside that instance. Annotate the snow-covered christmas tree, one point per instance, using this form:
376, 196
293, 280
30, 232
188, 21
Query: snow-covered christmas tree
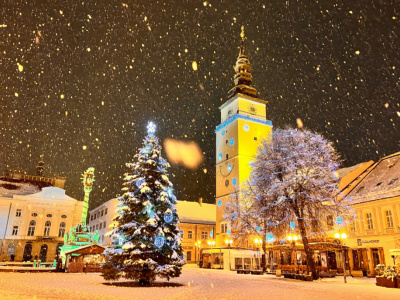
147, 240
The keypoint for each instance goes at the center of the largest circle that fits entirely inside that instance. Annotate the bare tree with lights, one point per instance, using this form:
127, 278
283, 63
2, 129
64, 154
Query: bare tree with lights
147, 241
292, 183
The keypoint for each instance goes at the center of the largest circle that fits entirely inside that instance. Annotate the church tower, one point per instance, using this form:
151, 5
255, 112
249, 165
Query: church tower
243, 126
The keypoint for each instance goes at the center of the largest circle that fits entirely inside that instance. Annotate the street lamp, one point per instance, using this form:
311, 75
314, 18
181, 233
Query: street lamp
229, 243
293, 239
342, 237
258, 244
198, 246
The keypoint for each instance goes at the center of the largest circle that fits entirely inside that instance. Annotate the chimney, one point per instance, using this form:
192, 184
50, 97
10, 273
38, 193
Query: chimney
201, 201
40, 166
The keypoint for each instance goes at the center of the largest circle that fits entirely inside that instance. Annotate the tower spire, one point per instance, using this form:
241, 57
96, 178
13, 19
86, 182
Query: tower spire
40, 166
242, 77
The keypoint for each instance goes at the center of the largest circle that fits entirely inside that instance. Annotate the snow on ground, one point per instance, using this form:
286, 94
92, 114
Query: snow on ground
197, 284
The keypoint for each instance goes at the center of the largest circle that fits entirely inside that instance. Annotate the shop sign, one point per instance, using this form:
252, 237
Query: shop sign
360, 242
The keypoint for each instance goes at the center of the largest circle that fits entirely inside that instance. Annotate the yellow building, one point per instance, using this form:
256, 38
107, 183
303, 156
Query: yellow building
373, 190
243, 126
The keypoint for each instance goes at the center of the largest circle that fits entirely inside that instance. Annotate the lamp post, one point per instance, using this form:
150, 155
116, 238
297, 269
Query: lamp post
198, 246
229, 243
258, 243
293, 239
342, 237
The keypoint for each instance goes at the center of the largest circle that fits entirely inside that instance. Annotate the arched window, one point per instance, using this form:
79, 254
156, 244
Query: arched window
61, 231
27, 252
43, 253
47, 226
31, 229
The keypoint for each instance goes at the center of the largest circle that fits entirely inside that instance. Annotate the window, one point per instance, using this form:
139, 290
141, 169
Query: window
189, 255
102, 213
379, 183
49, 215
91, 218
226, 141
104, 224
15, 230
393, 181
101, 226
389, 219
227, 156
47, 226
329, 221
97, 226
190, 234
360, 189
31, 229
105, 211
61, 230
34, 214
370, 224
64, 216
224, 228
204, 235
353, 226
255, 138
18, 213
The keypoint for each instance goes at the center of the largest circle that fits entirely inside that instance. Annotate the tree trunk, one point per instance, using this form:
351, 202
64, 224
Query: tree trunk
309, 252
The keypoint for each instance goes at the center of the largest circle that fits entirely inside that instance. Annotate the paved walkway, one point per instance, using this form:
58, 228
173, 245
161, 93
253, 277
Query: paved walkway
196, 284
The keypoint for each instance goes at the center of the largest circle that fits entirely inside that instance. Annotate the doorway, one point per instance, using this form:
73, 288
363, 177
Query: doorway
27, 252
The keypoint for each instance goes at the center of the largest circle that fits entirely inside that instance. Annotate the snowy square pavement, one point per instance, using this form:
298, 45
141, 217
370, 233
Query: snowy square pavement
197, 284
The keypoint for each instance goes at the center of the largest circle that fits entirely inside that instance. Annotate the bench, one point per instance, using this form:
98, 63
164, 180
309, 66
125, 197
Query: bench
257, 272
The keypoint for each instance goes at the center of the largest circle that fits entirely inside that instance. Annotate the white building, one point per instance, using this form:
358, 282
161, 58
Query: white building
33, 221
197, 224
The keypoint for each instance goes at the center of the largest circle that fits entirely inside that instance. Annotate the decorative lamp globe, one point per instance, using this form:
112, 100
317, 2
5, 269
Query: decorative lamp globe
344, 236
337, 235
295, 238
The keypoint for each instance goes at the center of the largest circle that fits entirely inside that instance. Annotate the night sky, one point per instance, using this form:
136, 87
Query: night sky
79, 80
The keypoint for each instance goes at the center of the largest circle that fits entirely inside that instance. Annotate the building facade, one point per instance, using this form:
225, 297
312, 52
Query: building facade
33, 225
196, 223
373, 191
243, 126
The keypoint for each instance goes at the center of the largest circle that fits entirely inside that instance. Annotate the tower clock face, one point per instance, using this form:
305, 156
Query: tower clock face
252, 109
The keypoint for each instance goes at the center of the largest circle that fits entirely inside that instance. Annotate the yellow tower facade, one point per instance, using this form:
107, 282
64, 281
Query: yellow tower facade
243, 126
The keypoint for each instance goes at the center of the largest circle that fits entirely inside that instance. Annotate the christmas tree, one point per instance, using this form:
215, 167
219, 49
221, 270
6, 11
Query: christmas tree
147, 241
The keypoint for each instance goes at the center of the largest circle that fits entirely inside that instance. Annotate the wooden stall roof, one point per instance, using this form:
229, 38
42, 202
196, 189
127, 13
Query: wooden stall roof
89, 249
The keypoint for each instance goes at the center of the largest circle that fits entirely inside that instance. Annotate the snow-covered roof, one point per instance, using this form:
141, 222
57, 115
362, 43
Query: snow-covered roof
10, 187
53, 193
381, 181
193, 212
344, 171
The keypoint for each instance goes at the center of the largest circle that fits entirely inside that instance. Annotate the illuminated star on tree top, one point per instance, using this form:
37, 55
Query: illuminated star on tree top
151, 128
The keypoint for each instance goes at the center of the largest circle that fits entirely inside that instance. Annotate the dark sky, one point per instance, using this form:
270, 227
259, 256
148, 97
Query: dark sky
93, 73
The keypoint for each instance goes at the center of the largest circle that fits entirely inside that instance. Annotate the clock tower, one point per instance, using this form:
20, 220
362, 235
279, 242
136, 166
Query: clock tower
243, 126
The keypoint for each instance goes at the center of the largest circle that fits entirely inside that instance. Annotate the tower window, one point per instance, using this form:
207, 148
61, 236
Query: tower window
18, 214
255, 138
393, 181
220, 156
226, 141
246, 127
227, 156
